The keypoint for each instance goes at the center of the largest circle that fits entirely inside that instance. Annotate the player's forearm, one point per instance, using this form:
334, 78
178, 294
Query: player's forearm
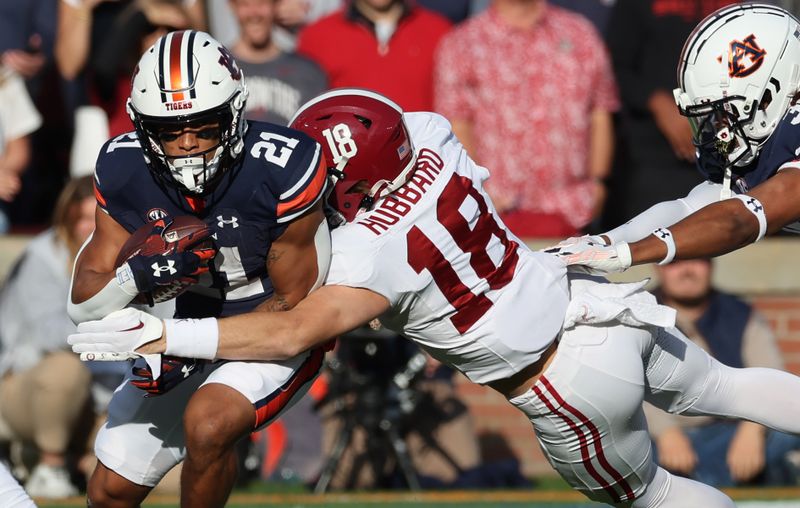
95, 300
666, 213
95, 293
715, 230
259, 336
659, 215
262, 336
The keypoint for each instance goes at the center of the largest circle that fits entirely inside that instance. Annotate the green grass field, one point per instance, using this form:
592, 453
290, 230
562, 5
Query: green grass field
533, 498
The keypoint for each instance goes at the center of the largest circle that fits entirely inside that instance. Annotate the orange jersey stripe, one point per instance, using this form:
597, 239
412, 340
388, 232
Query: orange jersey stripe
100, 199
303, 375
175, 76
309, 194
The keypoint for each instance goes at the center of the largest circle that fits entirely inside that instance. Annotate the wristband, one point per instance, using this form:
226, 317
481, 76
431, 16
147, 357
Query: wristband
665, 235
755, 207
192, 338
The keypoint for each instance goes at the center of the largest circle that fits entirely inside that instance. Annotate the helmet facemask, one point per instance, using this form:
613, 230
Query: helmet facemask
719, 131
195, 173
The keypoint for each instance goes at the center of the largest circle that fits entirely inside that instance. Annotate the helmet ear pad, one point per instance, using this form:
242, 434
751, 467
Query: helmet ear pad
185, 79
742, 65
363, 135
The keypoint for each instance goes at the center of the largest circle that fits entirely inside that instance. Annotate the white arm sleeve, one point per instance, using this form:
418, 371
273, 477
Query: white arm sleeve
115, 295
666, 213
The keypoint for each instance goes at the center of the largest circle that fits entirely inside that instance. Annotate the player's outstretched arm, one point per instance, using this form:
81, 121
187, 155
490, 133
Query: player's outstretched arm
298, 260
665, 214
729, 224
326, 313
716, 229
93, 292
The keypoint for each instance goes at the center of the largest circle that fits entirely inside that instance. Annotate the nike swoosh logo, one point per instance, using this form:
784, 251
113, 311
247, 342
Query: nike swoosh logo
137, 327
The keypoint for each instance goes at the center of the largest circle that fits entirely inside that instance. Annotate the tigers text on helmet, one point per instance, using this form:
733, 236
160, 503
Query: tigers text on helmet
737, 76
364, 136
188, 80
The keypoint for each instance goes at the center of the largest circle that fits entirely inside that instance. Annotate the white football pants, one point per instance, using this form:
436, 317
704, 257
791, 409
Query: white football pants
587, 410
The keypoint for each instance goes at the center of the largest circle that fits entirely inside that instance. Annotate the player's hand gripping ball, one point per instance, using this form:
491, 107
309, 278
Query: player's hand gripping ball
167, 256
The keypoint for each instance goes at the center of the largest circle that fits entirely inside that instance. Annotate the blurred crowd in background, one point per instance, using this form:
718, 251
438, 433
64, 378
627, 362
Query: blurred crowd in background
567, 102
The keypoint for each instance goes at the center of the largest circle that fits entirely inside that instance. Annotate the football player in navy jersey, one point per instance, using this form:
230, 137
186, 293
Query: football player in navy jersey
739, 76
259, 188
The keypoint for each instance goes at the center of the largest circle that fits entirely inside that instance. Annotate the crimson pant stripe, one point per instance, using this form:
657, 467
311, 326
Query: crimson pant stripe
596, 439
190, 64
585, 458
161, 68
269, 407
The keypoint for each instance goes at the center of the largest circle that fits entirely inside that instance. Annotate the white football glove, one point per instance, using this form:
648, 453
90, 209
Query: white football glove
572, 240
117, 336
592, 256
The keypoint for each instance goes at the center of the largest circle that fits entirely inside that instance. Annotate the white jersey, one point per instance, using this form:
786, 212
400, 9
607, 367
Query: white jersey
460, 284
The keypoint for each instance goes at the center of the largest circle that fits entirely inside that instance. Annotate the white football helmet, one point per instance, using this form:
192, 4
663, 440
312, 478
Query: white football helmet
737, 76
188, 78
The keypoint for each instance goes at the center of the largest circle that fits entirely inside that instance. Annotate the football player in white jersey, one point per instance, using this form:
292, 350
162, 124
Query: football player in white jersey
739, 77
422, 249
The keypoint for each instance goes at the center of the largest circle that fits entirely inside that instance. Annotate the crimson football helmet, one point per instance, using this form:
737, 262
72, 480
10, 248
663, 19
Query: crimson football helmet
187, 79
366, 141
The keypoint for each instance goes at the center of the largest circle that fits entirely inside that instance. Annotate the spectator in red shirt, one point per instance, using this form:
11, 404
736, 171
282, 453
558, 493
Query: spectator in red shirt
383, 45
534, 104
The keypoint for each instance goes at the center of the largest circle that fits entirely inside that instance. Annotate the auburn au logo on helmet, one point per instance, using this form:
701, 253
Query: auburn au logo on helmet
744, 57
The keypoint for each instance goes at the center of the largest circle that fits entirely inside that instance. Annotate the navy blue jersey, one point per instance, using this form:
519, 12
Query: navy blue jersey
279, 176
782, 148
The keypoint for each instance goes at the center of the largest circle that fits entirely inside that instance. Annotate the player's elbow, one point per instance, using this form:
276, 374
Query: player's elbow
297, 340
741, 229
80, 312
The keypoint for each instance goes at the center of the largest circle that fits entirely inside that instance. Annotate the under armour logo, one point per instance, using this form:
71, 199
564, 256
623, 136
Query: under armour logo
186, 370
663, 233
169, 267
221, 221
754, 205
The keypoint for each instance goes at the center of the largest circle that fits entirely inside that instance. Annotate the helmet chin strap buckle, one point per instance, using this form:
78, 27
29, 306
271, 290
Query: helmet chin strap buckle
188, 171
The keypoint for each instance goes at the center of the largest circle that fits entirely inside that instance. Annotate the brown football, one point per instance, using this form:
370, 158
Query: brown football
181, 235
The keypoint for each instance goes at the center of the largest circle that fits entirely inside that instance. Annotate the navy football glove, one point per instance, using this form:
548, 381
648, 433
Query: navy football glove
157, 270
173, 371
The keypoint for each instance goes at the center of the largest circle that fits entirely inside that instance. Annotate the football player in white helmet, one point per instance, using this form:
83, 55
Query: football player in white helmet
423, 250
739, 76
259, 188
208, 97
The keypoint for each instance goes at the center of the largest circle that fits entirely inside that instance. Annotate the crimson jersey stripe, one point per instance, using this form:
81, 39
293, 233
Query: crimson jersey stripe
270, 406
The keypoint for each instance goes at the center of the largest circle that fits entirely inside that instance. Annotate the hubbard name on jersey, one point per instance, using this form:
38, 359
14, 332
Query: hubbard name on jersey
279, 176
442, 271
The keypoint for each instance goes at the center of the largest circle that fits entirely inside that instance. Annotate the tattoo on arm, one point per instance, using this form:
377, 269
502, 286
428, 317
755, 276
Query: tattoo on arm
277, 304
273, 256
